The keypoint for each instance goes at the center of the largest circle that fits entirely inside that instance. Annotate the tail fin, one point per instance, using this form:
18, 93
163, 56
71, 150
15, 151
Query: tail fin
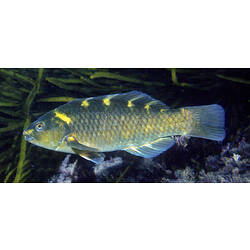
211, 122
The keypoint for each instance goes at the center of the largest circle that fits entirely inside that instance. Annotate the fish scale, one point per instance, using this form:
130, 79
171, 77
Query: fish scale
133, 121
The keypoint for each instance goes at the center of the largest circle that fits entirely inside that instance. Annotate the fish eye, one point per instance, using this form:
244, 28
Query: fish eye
39, 126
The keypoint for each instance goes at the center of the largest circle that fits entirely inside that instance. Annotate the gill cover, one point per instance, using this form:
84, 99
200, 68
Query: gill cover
46, 132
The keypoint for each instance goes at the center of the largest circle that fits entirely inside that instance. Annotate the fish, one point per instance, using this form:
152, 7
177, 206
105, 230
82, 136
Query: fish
133, 122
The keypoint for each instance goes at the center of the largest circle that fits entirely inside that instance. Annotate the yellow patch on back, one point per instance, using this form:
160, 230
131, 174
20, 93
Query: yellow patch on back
130, 104
147, 107
106, 101
63, 117
85, 103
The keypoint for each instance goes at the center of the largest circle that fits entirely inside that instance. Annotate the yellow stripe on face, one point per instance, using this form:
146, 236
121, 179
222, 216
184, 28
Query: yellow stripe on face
29, 131
85, 103
63, 117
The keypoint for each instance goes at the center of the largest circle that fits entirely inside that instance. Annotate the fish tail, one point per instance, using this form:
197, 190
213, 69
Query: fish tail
209, 120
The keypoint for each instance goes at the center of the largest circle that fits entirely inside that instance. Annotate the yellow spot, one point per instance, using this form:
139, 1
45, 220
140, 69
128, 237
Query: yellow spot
162, 110
29, 131
148, 128
122, 117
130, 104
106, 101
46, 138
161, 129
63, 117
126, 134
85, 103
71, 138
147, 107
60, 123
182, 111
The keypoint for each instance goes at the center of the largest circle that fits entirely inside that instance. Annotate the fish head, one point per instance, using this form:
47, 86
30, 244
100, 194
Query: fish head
47, 132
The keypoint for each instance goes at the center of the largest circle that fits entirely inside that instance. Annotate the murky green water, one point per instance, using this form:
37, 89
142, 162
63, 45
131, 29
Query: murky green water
27, 93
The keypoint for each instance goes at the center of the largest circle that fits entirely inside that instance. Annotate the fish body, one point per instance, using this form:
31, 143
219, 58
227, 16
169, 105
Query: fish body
132, 121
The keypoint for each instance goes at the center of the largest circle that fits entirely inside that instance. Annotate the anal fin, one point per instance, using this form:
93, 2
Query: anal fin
153, 148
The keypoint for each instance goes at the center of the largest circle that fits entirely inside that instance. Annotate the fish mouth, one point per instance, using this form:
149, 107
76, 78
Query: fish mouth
27, 137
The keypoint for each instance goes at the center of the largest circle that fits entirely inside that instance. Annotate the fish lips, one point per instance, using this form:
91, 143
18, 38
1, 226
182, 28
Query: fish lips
27, 136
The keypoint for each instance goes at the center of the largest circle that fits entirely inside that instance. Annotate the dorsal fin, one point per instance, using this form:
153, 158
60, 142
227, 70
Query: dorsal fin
138, 98
153, 148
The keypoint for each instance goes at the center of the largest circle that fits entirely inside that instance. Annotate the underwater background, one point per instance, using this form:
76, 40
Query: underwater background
26, 94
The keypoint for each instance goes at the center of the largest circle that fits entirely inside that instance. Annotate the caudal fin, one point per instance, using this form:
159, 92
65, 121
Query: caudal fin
210, 122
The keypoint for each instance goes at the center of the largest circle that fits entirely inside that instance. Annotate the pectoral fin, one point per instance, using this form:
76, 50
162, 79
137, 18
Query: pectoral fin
86, 152
91, 156
74, 143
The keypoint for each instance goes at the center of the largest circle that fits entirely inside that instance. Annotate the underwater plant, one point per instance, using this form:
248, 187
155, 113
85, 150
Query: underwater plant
26, 94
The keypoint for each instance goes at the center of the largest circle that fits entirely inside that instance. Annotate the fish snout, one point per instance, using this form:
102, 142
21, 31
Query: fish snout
27, 135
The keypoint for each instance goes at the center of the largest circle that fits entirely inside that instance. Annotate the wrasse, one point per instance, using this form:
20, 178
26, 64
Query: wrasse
132, 121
